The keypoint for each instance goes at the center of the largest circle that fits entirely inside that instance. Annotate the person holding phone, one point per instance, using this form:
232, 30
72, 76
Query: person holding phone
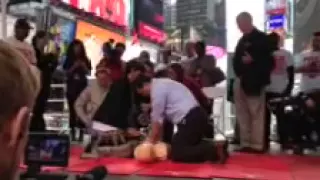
77, 67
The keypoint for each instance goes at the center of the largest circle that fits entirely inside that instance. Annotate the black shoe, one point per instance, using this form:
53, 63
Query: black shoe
235, 141
258, 151
244, 150
298, 150
73, 135
222, 152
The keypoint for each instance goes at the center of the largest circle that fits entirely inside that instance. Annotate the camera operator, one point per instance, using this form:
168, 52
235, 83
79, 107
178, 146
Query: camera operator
19, 89
309, 67
282, 80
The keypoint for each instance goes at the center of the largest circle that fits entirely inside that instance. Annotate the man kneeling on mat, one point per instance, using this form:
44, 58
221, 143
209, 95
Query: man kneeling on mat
174, 102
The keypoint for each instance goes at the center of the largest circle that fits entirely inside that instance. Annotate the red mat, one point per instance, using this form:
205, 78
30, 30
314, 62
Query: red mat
239, 166
306, 168
115, 166
119, 166
169, 169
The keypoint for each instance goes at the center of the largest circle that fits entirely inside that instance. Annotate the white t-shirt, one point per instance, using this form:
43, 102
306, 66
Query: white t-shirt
279, 76
310, 81
24, 48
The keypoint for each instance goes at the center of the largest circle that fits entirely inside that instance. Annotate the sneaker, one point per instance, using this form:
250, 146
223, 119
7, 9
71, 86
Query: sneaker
90, 155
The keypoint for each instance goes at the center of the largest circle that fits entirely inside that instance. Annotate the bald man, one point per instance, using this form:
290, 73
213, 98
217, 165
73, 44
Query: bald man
252, 65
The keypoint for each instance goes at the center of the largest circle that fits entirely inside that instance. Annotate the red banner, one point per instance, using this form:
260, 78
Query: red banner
151, 32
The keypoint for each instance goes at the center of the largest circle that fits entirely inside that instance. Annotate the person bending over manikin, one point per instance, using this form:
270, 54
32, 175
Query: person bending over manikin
172, 101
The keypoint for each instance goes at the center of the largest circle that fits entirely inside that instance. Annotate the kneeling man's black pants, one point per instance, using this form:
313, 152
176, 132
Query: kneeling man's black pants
187, 144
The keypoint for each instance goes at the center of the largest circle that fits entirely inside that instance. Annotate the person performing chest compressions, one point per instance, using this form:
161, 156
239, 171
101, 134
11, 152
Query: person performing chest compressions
173, 101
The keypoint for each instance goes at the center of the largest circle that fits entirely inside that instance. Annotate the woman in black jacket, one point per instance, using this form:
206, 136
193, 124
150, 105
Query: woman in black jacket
47, 64
77, 67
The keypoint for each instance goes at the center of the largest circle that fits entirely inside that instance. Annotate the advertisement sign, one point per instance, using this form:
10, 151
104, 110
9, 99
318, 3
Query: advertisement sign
115, 11
93, 38
276, 6
276, 21
149, 19
62, 34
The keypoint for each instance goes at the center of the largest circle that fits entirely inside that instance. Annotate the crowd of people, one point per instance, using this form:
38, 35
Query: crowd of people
139, 94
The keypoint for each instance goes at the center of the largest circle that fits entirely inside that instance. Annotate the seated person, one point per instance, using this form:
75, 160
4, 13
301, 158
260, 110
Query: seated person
92, 96
281, 85
172, 101
116, 107
309, 67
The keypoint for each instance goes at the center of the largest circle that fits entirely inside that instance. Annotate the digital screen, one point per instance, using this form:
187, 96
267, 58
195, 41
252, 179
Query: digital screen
115, 11
47, 150
50, 150
149, 19
276, 21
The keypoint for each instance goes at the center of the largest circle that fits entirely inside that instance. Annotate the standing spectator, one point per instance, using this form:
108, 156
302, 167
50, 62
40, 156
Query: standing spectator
114, 62
203, 68
309, 67
252, 65
19, 90
21, 32
190, 55
77, 66
145, 59
121, 48
47, 64
281, 85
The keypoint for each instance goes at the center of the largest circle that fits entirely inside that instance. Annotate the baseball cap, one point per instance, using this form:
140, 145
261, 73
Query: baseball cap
23, 23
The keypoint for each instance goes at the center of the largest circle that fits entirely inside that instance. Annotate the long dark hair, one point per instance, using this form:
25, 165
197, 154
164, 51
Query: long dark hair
71, 57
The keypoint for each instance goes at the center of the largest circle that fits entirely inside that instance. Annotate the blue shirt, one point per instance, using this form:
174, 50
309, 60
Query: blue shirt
170, 100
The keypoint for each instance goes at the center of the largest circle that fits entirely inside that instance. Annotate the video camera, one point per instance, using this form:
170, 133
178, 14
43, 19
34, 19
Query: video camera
46, 149
52, 150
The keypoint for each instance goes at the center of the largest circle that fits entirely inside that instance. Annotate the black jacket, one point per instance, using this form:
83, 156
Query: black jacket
116, 107
256, 75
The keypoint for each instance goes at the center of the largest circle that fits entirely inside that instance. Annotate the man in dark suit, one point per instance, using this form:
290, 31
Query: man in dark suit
252, 65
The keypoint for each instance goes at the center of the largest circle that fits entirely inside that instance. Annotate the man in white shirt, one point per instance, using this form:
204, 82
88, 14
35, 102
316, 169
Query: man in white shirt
281, 85
21, 32
309, 67
174, 102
